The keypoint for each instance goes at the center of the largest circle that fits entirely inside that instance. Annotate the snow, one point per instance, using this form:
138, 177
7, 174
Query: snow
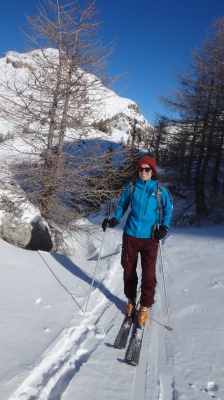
55, 347
113, 105
51, 350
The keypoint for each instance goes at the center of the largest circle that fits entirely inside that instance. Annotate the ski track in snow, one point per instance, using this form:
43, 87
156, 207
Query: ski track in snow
75, 346
71, 351
86, 348
59, 366
79, 346
164, 367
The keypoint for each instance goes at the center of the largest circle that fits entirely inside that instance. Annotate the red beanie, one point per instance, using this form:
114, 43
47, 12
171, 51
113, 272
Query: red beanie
147, 160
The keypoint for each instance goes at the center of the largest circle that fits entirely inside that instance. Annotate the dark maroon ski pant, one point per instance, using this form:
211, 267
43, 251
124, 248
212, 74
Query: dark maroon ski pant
148, 249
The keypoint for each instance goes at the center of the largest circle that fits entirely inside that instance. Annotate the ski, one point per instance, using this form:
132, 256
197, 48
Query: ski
123, 334
134, 350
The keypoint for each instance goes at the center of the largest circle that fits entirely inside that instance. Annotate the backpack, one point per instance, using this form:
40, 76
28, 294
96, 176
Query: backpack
158, 193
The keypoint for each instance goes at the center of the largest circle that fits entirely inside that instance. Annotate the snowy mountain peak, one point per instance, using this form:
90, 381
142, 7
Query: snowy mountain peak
115, 112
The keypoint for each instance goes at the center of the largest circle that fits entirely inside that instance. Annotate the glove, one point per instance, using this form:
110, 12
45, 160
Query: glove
109, 222
160, 232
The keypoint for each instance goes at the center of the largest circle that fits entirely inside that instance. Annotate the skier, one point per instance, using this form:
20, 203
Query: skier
142, 233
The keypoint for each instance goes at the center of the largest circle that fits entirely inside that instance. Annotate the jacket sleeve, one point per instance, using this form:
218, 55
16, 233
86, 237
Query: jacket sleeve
167, 207
123, 203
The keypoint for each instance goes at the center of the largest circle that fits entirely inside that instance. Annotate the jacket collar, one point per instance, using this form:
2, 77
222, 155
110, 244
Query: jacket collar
150, 183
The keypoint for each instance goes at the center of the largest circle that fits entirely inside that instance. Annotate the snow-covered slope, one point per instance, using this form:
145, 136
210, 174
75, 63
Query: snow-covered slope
118, 112
50, 350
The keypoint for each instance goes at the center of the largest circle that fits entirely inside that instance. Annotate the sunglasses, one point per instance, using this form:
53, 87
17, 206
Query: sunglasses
147, 169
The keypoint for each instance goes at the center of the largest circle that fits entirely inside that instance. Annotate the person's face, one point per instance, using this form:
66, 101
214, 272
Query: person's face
145, 172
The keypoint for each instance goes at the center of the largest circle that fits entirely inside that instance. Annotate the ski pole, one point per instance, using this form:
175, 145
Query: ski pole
164, 282
168, 328
109, 208
93, 279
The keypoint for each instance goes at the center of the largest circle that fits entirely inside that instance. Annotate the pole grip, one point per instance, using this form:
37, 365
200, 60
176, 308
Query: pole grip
109, 208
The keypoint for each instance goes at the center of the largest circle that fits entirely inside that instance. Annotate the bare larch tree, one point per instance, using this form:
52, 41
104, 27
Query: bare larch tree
52, 100
196, 136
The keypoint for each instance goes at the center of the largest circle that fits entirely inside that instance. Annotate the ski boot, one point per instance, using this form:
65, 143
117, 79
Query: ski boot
130, 309
143, 315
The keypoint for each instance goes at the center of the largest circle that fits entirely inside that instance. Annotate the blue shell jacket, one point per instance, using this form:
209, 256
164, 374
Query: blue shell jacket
144, 212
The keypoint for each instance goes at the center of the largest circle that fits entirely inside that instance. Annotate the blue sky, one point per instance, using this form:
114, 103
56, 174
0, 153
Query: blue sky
152, 38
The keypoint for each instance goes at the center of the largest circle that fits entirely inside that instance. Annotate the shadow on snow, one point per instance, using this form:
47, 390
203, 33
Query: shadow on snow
79, 273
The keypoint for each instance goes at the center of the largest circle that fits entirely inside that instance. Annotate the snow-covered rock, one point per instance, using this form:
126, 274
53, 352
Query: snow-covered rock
21, 224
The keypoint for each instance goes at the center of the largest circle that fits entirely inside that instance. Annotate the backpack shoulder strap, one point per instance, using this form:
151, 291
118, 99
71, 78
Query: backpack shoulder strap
131, 189
159, 194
